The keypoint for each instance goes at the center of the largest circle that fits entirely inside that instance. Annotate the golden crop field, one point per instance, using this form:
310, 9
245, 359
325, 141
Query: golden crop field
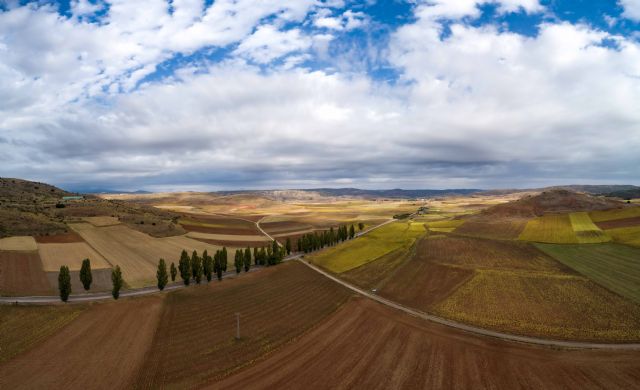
543, 304
136, 253
556, 229
18, 243
70, 254
445, 226
627, 235
367, 248
586, 231
609, 215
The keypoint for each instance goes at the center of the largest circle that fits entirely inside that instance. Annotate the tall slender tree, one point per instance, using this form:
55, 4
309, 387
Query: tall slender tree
207, 265
116, 280
288, 245
217, 264
64, 283
184, 265
161, 275
238, 261
174, 272
196, 267
223, 259
247, 259
352, 232
85, 274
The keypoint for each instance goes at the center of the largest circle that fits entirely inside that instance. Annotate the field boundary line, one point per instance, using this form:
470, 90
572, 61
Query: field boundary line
474, 329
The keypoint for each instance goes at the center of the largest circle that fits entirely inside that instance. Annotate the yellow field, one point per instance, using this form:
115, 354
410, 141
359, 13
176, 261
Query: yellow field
626, 235
446, 226
369, 247
70, 254
18, 243
610, 215
556, 229
136, 253
226, 237
586, 231
544, 304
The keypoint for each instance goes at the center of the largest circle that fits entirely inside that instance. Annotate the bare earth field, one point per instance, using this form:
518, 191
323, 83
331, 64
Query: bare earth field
195, 343
21, 273
59, 238
71, 357
368, 346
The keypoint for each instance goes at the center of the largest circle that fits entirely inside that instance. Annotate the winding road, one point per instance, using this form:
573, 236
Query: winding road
43, 300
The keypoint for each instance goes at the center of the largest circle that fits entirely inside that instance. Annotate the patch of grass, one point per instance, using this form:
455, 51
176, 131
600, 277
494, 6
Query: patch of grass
556, 229
362, 250
24, 326
616, 267
586, 231
543, 304
627, 235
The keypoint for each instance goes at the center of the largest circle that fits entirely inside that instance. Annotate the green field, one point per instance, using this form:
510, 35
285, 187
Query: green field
446, 226
586, 231
369, 247
616, 267
551, 229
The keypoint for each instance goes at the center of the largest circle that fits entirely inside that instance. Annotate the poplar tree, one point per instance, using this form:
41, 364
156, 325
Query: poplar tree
223, 259
64, 283
288, 245
196, 267
184, 265
352, 232
116, 279
174, 272
161, 274
247, 259
360, 226
85, 274
238, 261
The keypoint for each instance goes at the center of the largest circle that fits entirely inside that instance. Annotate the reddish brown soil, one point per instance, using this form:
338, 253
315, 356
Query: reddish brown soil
234, 243
21, 273
195, 344
619, 223
60, 238
501, 229
369, 346
102, 349
284, 227
423, 284
222, 230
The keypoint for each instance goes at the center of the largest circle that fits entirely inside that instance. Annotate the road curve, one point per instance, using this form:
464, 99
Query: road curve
473, 329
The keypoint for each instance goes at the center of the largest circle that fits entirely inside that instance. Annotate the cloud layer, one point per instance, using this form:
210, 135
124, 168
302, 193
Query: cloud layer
246, 94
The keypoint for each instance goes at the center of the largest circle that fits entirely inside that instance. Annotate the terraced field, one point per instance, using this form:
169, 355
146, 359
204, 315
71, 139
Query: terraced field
543, 304
362, 250
556, 229
616, 267
195, 343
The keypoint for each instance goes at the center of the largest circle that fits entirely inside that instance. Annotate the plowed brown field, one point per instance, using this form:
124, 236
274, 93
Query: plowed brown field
368, 346
102, 349
59, 238
619, 223
21, 274
195, 342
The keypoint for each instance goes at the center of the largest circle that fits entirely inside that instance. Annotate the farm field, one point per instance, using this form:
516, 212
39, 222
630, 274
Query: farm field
446, 226
440, 266
619, 223
374, 274
59, 238
24, 327
615, 267
493, 228
18, 243
54, 256
626, 235
193, 347
21, 273
136, 253
361, 250
218, 224
368, 346
555, 229
586, 231
543, 304
104, 347
615, 214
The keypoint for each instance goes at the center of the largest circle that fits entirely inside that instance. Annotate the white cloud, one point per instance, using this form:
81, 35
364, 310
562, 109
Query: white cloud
631, 9
347, 21
267, 43
456, 9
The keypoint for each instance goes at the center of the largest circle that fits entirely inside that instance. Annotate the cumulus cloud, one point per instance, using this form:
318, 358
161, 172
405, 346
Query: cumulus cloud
481, 107
631, 9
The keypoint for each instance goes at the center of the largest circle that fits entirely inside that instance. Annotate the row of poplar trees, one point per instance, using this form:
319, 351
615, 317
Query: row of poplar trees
313, 241
86, 278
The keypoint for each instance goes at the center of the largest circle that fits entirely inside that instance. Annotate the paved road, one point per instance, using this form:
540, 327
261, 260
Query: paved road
473, 329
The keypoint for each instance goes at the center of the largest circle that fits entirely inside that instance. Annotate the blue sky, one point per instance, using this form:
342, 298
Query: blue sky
291, 94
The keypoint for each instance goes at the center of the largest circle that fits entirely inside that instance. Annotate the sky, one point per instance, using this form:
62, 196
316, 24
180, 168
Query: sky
260, 94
